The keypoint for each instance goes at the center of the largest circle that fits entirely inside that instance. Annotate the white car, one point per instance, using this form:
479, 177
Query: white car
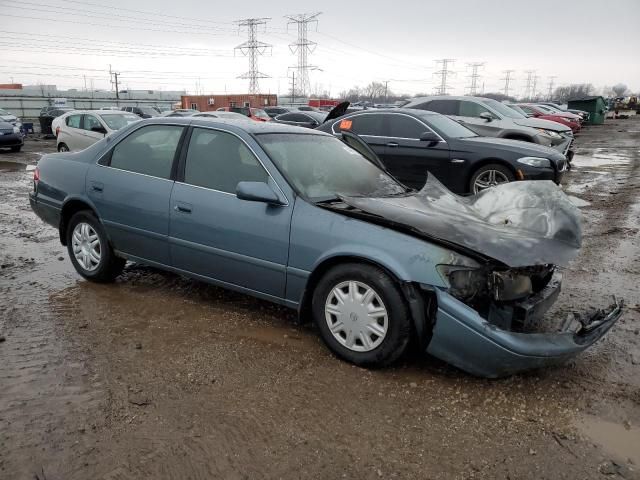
223, 115
78, 129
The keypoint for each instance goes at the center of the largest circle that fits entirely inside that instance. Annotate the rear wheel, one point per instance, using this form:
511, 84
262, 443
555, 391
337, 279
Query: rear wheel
62, 147
361, 315
89, 249
489, 176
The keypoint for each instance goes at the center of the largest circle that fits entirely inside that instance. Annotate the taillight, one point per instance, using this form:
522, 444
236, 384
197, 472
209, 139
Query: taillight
57, 131
36, 179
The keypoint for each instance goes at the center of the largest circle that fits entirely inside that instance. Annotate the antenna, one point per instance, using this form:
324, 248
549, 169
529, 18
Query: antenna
253, 48
303, 47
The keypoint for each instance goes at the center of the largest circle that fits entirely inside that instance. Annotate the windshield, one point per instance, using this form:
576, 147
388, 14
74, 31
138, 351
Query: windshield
502, 109
447, 127
148, 111
258, 112
519, 110
115, 121
320, 167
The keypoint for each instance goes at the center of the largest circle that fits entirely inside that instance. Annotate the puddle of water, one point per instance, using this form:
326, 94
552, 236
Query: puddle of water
615, 438
601, 157
11, 166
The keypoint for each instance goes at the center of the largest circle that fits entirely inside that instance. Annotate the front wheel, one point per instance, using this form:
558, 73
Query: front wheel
89, 249
361, 315
490, 176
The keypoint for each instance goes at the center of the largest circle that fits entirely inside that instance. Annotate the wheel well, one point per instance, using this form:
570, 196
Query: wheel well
68, 210
489, 161
61, 143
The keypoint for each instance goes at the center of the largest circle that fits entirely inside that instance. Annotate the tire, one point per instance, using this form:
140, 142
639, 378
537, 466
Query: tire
484, 174
101, 267
16, 149
382, 348
62, 147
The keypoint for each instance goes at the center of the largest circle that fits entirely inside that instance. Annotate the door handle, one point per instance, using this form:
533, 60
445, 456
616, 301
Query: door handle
97, 186
392, 144
182, 208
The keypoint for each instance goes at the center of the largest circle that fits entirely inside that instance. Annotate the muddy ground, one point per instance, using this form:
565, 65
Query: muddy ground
161, 377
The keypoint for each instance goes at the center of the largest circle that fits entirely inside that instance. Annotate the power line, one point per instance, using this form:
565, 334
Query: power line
444, 73
507, 81
473, 87
303, 47
253, 48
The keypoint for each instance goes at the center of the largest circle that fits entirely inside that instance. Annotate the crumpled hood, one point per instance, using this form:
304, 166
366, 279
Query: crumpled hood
519, 223
540, 123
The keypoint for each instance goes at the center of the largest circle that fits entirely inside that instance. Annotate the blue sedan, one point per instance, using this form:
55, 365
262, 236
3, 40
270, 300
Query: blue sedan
316, 223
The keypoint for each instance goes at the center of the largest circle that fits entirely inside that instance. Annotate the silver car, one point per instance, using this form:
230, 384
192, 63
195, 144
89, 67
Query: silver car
490, 118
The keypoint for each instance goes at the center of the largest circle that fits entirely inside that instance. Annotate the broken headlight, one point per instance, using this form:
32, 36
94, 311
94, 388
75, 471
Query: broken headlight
464, 282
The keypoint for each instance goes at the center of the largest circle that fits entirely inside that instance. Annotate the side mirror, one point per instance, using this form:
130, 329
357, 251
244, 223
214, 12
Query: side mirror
99, 129
429, 137
486, 116
257, 192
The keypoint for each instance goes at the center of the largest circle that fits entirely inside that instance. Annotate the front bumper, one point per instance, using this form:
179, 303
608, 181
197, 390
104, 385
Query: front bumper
464, 339
11, 140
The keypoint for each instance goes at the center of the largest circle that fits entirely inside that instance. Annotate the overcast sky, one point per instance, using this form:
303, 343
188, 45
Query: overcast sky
169, 45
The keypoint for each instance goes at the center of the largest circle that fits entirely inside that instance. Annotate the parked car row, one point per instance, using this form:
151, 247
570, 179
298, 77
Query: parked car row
316, 221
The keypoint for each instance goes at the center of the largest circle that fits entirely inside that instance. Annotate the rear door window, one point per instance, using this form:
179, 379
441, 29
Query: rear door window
74, 121
370, 124
149, 150
445, 107
294, 117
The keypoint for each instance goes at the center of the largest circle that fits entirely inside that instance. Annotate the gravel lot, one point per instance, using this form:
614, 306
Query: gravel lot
161, 377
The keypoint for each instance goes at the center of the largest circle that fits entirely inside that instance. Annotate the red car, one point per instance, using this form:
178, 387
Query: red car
256, 114
569, 119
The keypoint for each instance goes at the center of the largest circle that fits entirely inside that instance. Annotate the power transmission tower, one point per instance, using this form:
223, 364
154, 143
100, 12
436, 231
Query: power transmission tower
293, 87
303, 47
551, 83
507, 81
527, 90
444, 73
473, 87
535, 86
253, 48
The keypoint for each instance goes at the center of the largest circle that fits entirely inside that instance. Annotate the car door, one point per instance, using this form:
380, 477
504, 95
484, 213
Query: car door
216, 235
71, 133
407, 157
130, 187
91, 136
368, 126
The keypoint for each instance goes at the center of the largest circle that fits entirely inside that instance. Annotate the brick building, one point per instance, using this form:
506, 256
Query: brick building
206, 103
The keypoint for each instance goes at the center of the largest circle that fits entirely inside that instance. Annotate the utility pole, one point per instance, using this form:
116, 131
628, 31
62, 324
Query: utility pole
551, 82
444, 73
386, 90
507, 81
303, 47
293, 87
527, 90
113, 76
253, 48
473, 88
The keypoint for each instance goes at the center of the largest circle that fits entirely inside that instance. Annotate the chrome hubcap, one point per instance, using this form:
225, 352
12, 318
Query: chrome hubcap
86, 246
488, 179
356, 316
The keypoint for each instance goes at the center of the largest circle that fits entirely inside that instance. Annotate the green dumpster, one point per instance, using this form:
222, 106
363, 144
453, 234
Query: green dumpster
596, 106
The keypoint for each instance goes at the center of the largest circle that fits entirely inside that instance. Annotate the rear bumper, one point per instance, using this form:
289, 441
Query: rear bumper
46, 212
464, 339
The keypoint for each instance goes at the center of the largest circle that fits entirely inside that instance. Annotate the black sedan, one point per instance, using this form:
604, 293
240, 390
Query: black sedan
10, 137
412, 142
301, 118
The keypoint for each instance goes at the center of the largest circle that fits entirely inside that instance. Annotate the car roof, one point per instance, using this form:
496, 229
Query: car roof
101, 112
378, 111
251, 127
446, 97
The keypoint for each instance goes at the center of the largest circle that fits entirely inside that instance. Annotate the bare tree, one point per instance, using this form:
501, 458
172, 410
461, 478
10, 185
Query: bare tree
573, 92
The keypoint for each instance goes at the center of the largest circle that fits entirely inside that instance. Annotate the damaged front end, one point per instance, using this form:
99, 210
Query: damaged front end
492, 323
502, 276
